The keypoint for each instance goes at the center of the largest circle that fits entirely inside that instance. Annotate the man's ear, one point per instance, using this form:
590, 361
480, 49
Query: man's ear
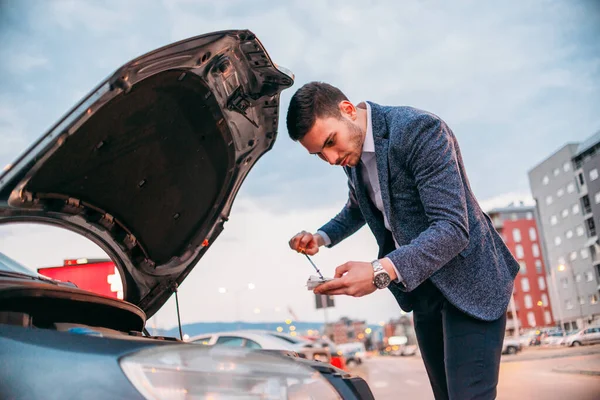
348, 110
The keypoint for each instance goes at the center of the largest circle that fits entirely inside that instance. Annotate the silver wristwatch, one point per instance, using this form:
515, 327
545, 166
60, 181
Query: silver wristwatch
381, 279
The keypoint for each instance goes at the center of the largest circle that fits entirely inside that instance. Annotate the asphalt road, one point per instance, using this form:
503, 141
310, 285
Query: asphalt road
529, 375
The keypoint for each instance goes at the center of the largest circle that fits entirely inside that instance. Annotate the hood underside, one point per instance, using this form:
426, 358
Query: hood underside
147, 166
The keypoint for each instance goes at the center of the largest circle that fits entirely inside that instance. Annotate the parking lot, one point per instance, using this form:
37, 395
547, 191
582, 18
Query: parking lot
535, 373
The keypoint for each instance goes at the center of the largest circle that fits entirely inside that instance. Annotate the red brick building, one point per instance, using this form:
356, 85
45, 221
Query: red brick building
518, 227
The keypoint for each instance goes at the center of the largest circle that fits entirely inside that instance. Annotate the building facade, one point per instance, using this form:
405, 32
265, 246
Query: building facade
346, 331
565, 187
518, 227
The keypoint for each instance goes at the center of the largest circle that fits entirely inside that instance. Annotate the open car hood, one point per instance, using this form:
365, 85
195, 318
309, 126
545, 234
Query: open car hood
148, 164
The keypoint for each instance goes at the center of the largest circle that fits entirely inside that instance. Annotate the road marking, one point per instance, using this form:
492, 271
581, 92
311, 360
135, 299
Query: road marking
380, 384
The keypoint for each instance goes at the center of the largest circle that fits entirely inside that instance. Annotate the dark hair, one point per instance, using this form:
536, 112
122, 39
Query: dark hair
313, 100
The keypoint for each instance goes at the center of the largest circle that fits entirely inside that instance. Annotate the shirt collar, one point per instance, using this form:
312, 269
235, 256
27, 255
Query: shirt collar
369, 143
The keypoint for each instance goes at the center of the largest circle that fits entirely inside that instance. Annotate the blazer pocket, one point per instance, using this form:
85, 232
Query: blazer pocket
476, 238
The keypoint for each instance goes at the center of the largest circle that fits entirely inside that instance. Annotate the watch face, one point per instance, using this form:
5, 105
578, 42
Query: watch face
382, 280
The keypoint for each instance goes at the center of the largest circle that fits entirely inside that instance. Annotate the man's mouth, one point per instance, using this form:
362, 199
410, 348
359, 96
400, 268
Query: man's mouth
345, 161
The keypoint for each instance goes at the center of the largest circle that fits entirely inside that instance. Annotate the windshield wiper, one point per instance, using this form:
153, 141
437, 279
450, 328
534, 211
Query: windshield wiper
14, 274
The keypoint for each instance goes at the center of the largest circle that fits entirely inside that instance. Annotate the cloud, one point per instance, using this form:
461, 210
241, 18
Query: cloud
24, 63
506, 199
12, 132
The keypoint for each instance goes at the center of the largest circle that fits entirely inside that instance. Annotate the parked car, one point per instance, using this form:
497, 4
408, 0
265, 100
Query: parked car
511, 345
337, 358
257, 339
585, 336
552, 338
147, 166
354, 352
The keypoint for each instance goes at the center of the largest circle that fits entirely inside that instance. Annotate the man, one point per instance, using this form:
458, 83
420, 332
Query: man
439, 254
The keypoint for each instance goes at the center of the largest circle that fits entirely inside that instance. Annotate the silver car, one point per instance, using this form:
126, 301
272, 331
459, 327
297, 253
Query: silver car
584, 336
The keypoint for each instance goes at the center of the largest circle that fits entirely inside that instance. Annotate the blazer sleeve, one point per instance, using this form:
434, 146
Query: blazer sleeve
346, 222
428, 148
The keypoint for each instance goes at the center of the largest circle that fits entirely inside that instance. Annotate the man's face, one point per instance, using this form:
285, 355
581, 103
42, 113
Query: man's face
338, 140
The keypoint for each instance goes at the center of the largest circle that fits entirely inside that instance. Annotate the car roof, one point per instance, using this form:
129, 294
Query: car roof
265, 340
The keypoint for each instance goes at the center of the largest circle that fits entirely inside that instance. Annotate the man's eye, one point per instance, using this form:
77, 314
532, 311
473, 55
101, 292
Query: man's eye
329, 143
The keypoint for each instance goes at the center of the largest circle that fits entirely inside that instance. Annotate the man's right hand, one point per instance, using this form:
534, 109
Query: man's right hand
306, 242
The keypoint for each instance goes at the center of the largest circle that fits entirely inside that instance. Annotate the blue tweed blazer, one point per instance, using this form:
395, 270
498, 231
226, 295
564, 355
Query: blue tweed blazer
443, 234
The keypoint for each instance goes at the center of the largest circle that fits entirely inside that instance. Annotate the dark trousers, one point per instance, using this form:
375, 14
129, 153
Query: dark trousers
461, 353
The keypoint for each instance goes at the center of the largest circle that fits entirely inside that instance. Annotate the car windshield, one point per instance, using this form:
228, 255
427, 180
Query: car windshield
7, 264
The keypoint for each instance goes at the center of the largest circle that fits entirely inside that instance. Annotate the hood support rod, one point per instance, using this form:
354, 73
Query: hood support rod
178, 315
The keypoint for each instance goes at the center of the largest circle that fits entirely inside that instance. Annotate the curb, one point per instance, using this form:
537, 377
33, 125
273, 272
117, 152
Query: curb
577, 371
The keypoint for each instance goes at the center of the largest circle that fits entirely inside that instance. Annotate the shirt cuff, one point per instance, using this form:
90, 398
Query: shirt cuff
398, 276
325, 237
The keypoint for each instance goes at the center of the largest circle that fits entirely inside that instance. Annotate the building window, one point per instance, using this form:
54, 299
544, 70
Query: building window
565, 213
568, 304
569, 234
531, 318
516, 235
580, 300
597, 197
594, 174
586, 204
567, 166
556, 171
584, 253
578, 278
547, 317
573, 256
514, 217
545, 180
519, 251
589, 276
522, 267
581, 182
541, 283
557, 241
538, 266
561, 260
525, 284
528, 301
591, 227
580, 231
544, 299
549, 200
570, 187
553, 220
575, 209
560, 192
529, 215
535, 249
532, 234
564, 282
593, 299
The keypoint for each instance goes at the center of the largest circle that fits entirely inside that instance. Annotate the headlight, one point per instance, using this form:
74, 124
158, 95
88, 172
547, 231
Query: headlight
198, 372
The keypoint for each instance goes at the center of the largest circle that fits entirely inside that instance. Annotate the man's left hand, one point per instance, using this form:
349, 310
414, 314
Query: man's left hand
353, 278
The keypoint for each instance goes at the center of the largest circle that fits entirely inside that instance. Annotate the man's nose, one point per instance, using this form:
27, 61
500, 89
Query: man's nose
328, 156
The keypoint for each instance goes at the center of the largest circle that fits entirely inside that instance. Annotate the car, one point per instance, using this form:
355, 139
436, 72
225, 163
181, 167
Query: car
257, 339
510, 345
589, 335
552, 338
147, 167
354, 352
337, 358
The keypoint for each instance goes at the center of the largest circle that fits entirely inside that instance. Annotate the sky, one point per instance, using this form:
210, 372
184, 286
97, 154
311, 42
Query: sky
514, 80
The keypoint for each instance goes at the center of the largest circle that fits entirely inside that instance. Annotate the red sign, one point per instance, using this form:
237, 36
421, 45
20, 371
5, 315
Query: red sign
101, 277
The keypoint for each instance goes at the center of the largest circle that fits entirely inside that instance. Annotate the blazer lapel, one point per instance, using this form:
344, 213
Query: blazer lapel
380, 136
